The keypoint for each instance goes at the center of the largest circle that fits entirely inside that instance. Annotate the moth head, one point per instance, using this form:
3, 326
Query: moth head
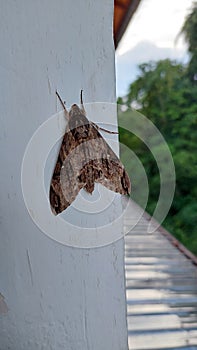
75, 111
77, 123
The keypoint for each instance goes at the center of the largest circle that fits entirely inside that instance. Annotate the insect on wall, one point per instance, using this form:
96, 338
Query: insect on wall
84, 159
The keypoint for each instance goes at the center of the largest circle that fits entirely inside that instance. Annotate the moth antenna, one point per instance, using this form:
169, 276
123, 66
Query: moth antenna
63, 105
81, 97
108, 131
81, 101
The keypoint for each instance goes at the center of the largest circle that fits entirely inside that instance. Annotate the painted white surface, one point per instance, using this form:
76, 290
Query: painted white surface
57, 297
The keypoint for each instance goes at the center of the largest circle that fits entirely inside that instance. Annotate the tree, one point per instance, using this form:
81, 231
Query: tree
189, 30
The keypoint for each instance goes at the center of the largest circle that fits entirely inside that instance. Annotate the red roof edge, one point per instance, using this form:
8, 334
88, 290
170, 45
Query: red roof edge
131, 9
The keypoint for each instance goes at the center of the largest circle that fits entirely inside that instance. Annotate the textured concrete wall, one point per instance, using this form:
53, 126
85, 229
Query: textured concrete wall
53, 296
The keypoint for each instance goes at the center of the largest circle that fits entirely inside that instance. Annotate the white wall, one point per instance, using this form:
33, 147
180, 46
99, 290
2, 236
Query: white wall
53, 296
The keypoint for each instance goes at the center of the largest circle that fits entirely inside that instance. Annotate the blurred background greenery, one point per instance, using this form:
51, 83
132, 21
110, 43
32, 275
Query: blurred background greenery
166, 93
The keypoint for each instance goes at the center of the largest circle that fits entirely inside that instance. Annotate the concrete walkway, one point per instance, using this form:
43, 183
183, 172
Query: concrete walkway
161, 287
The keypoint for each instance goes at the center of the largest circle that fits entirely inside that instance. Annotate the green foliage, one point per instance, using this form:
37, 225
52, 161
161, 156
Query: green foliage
164, 93
190, 31
190, 28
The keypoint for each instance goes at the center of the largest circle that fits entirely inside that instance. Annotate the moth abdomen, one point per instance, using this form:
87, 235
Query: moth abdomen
82, 177
97, 174
89, 187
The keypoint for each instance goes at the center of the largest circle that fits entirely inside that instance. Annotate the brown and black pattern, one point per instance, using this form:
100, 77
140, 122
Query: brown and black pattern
84, 158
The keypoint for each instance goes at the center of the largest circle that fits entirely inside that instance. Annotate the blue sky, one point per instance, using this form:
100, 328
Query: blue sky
151, 35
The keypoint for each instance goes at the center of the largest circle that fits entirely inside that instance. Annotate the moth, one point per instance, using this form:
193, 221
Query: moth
84, 158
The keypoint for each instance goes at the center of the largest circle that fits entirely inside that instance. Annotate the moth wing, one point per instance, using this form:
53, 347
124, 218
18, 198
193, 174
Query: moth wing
109, 171
71, 172
63, 187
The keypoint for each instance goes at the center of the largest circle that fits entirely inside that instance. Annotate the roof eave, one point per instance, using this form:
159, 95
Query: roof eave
125, 21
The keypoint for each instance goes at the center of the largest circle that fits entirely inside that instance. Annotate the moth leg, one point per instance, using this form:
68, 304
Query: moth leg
63, 105
82, 105
99, 128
